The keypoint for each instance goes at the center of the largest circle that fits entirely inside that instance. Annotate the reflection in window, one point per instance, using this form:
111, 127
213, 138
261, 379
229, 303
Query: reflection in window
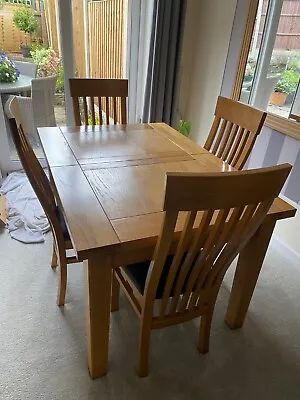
273, 68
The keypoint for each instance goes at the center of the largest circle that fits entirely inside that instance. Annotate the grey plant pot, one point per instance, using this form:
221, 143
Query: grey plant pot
25, 50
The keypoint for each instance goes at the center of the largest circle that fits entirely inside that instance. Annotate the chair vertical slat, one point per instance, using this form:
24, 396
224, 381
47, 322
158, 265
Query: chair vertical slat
85, 111
224, 139
230, 142
239, 164
107, 111
115, 110
184, 240
93, 111
207, 248
160, 254
198, 241
100, 110
76, 109
123, 111
212, 133
220, 134
235, 145
198, 277
240, 148
251, 217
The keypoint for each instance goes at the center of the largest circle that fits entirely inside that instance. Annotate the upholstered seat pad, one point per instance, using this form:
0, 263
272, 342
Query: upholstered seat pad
62, 223
137, 273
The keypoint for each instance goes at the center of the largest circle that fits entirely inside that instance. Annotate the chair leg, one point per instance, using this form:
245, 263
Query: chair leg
204, 334
54, 258
62, 285
144, 346
115, 293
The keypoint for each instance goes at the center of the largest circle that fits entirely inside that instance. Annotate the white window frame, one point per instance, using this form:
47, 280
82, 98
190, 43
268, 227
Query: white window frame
284, 125
64, 7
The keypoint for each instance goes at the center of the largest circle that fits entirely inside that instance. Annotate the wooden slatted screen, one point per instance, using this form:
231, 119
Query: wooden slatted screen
106, 37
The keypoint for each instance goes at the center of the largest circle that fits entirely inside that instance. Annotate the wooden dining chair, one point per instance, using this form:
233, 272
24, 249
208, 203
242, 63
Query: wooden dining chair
234, 131
41, 185
99, 101
223, 211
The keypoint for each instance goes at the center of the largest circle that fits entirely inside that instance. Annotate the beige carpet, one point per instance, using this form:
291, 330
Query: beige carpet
42, 347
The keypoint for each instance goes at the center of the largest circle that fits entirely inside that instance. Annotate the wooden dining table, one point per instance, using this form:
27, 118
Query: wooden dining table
109, 182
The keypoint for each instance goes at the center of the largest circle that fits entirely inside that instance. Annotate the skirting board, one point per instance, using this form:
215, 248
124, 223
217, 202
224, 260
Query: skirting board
287, 251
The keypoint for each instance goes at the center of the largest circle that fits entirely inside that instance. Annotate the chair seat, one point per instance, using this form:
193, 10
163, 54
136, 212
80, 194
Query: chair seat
62, 223
137, 273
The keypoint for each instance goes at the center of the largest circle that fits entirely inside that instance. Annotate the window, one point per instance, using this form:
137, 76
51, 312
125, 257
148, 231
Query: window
272, 72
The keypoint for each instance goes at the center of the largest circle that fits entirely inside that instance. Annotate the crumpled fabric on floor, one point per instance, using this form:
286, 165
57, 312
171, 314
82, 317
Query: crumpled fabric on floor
26, 220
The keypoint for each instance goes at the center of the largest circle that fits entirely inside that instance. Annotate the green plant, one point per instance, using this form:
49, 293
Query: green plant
294, 64
288, 82
184, 127
249, 70
97, 120
25, 20
49, 63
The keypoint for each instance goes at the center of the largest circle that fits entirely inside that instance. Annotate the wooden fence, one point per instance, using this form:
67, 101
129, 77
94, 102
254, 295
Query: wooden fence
105, 36
10, 36
288, 32
50, 20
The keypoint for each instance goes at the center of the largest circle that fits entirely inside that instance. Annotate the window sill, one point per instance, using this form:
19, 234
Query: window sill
283, 125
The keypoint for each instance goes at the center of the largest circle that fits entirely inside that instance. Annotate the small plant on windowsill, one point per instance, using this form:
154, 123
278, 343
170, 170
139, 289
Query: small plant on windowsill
287, 84
8, 70
184, 127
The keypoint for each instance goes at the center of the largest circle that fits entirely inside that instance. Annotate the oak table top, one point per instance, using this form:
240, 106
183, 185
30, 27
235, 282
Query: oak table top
120, 171
110, 183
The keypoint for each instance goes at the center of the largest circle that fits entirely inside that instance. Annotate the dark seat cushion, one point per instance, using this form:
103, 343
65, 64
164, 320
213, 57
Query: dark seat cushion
62, 223
138, 274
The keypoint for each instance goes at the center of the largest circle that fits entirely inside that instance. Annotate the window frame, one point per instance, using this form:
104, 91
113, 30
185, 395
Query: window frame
284, 125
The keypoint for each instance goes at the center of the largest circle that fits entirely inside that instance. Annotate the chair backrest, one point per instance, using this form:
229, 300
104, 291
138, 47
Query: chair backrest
42, 94
234, 131
108, 96
26, 68
20, 108
228, 207
37, 177
37, 110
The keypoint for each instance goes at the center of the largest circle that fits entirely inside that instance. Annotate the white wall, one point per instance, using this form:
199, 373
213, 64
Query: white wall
287, 231
206, 40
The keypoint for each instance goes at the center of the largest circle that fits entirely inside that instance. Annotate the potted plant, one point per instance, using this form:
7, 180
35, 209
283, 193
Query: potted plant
184, 127
8, 70
26, 21
287, 84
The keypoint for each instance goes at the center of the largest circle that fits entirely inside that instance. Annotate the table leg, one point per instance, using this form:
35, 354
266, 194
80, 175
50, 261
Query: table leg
98, 271
246, 275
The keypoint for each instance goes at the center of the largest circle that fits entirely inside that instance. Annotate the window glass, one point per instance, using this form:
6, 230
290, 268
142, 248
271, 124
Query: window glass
273, 68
